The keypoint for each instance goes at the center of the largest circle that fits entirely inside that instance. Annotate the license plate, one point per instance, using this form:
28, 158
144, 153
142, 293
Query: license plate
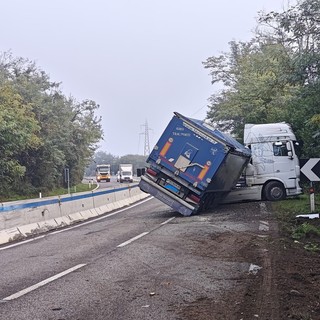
172, 186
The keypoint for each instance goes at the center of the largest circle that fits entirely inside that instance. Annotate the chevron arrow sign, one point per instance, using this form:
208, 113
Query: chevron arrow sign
310, 168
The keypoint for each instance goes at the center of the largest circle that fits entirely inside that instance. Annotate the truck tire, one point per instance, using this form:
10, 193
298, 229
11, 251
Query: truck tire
274, 191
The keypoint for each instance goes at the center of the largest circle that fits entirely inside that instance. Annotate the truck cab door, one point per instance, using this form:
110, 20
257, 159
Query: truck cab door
284, 162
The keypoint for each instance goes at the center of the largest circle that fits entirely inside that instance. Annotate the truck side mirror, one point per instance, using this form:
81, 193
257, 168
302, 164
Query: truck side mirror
288, 145
290, 155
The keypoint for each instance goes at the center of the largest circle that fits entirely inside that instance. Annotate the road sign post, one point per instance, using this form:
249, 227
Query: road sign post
312, 202
67, 178
310, 169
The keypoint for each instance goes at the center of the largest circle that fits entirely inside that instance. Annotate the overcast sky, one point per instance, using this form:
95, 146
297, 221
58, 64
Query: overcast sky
140, 60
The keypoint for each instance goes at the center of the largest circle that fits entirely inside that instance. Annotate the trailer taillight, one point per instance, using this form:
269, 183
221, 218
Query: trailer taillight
151, 172
194, 198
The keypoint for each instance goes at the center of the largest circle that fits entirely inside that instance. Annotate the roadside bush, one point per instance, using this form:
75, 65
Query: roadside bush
302, 230
306, 230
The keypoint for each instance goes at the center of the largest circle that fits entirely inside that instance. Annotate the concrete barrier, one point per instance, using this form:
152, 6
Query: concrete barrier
21, 219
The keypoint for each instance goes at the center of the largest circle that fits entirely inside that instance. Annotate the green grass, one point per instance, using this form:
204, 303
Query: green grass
297, 205
82, 187
302, 230
305, 230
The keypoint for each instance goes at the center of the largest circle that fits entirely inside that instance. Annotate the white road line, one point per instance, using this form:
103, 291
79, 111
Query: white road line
20, 243
167, 221
101, 218
77, 226
42, 283
132, 239
142, 234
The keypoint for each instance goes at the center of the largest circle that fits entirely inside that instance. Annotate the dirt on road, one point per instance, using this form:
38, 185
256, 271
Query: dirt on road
283, 282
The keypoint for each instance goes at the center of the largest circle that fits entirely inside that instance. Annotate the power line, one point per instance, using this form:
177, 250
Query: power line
200, 109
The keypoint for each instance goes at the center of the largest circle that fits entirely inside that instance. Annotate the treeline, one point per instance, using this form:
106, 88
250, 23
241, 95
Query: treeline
101, 157
42, 132
274, 77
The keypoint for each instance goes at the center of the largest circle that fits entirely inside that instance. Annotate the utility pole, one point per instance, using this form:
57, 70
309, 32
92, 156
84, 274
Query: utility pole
146, 138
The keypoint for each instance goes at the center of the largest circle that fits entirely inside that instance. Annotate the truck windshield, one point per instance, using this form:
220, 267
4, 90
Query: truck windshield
280, 149
103, 169
126, 173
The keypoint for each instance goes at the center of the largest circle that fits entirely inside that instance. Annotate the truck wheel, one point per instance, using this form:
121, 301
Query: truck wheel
274, 191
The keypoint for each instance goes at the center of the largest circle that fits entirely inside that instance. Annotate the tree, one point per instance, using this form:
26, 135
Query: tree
274, 77
101, 157
299, 29
18, 134
66, 131
86, 131
256, 89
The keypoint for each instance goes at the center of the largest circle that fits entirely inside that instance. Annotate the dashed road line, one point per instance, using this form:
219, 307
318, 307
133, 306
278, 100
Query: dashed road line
74, 227
101, 218
42, 283
132, 239
167, 221
142, 234
61, 274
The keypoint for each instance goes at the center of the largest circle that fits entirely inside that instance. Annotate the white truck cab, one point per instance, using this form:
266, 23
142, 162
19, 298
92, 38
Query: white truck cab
274, 171
125, 173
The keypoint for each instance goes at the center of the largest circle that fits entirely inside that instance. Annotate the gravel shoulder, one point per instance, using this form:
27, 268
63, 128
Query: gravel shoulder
283, 282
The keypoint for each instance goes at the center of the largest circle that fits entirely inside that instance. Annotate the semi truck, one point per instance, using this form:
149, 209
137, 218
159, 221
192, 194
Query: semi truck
103, 172
273, 172
125, 173
194, 167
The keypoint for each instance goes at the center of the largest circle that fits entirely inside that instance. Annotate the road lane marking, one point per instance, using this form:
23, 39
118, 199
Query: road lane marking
167, 221
142, 234
73, 227
100, 218
42, 283
20, 243
132, 239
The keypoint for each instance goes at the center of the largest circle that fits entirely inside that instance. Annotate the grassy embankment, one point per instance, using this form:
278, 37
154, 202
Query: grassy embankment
301, 230
82, 187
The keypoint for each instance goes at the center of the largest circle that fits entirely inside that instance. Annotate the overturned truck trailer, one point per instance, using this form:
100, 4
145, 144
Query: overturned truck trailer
193, 166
